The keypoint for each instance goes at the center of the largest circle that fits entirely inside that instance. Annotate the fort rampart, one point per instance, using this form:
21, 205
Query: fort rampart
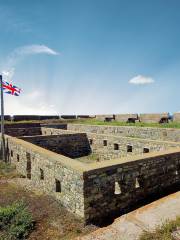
72, 145
111, 147
48, 171
115, 188
99, 190
164, 134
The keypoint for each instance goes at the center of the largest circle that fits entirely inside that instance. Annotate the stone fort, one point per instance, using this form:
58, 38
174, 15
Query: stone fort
96, 172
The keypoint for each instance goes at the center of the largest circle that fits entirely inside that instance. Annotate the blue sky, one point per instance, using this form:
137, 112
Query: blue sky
91, 56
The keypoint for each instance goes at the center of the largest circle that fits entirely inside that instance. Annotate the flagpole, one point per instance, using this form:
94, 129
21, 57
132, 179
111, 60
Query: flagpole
2, 121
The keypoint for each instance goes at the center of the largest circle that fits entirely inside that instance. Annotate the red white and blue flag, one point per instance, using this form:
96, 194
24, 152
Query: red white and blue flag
11, 89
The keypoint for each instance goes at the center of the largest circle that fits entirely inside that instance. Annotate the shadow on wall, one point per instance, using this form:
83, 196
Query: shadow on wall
70, 145
7, 152
74, 146
109, 218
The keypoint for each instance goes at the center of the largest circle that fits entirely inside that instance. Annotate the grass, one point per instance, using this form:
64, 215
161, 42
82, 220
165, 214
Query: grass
7, 170
115, 123
89, 159
52, 220
16, 221
94, 121
162, 232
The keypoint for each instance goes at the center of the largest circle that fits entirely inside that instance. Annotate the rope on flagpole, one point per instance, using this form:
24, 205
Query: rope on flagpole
2, 122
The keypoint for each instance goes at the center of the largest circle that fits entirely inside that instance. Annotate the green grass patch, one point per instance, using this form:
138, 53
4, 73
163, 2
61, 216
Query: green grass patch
94, 121
16, 222
115, 123
93, 157
163, 232
89, 159
8, 170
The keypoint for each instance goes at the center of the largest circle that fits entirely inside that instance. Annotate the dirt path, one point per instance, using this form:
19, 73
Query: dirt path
53, 222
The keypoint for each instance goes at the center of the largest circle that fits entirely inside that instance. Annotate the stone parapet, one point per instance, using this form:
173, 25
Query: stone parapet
126, 117
176, 117
154, 118
164, 134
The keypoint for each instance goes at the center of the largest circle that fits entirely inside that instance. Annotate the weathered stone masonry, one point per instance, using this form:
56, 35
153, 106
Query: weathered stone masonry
72, 145
16, 132
164, 134
111, 147
112, 189
31, 160
96, 191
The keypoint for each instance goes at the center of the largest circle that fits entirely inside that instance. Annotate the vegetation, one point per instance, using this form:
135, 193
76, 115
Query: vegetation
52, 220
15, 222
7, 170
93, 157
163, 232
137, 124
89, 159
94, 121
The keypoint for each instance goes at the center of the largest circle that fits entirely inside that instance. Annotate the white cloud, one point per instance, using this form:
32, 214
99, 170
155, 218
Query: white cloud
141, 80
19, 53
7, 75
34, 103
34, 49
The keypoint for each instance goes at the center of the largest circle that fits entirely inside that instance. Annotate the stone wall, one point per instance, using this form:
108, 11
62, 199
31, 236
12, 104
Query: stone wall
100, 190
70, 145
85, 116
176, 117
49, 130
68, 116
126, 117
55, 125
113, 190
25, 117
146, 117
47, 117
107, 117
21, 125
17, 132
165, 134
154, 117
6, 117
34, 117
45, 168
108, 147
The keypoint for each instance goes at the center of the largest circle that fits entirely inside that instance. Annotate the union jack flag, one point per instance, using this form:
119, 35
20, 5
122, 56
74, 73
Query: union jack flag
11, 89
